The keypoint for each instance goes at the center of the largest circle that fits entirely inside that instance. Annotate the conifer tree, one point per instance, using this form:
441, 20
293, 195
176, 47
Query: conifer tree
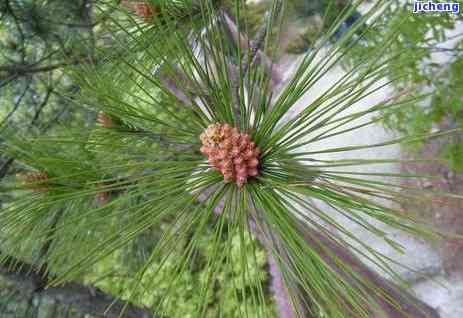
196, 162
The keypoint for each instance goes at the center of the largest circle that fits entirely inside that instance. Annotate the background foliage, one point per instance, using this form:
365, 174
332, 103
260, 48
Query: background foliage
433, 45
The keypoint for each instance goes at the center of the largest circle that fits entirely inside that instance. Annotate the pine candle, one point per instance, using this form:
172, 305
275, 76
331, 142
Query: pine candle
232, 153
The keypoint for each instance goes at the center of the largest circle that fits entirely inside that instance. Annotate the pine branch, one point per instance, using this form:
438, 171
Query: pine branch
256, 44
243, 40
22, 69
395, 302
243, 69
26, 69
5, 167
16, 104
408, 305
22, 37
235, 87
282, 298
391, 297
49, 240
285, 309
279, 289
41, 107
254, 49
85, 299
173, 88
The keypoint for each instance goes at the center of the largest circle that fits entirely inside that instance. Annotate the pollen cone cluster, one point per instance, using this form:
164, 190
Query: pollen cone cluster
34, 178
231, 152
102, 197
104, 120
142, 9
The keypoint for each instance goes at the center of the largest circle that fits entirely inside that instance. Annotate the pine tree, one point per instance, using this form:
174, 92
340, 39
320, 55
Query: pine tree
38, 39
196, 163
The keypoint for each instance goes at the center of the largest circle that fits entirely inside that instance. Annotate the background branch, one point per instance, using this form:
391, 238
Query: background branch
408, 305
85, 299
